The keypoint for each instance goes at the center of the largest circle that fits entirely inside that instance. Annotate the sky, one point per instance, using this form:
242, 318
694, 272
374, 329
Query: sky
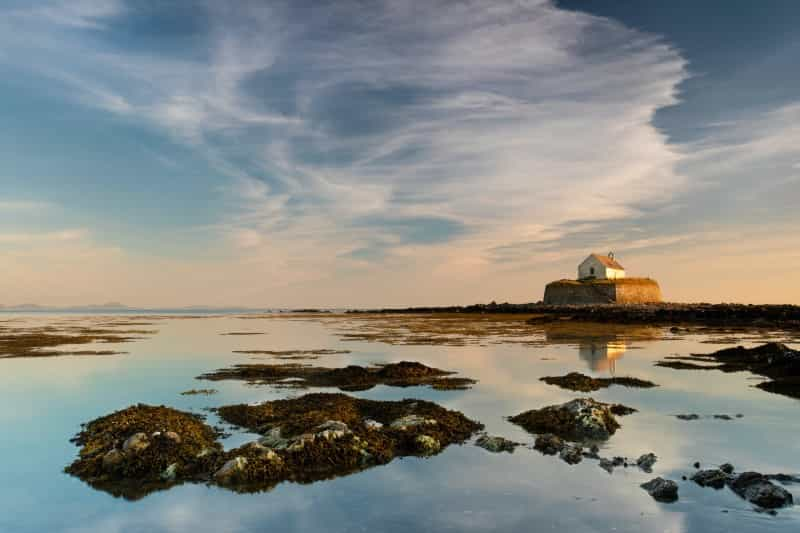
391, 153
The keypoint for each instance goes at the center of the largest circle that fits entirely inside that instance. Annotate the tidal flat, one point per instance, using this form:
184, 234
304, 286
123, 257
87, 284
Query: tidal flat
655, 471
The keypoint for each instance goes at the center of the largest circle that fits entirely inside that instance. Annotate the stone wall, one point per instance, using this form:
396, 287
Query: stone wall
620, 291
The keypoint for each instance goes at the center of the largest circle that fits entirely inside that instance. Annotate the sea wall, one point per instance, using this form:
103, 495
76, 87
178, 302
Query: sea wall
619, 291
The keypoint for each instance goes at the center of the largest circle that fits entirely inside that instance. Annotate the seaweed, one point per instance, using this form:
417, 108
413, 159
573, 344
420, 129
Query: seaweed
141, 449
349, 378
580, 382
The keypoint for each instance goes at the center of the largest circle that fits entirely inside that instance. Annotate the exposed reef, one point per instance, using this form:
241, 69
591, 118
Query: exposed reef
772, 360
666, 314
582, 419
349, 378
141, 449
754, 487
42, 341
580, 382
293, 354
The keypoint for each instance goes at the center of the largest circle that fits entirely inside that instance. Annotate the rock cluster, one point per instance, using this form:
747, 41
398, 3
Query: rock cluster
752, 486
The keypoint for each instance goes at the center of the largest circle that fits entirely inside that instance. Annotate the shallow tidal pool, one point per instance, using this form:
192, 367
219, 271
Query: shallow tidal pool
44, 400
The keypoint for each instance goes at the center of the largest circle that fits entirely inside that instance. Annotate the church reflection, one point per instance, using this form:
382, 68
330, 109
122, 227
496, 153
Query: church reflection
602, 356
600, 346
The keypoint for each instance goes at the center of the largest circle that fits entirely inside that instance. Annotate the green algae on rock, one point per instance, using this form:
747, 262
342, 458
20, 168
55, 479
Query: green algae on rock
141, 449
350, 378
582, 419
580, 382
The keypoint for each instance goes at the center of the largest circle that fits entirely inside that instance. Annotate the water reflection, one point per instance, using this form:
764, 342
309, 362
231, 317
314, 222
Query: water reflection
464, 488
601, 356
601, 345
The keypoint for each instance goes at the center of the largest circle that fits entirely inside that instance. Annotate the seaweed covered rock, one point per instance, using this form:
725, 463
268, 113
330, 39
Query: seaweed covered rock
143, 448
349, 378
146, 447
329, 434
318, 436
580, 382
773, 360
581, 419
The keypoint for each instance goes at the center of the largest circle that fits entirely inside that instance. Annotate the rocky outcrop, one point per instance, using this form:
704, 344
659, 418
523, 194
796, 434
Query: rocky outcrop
582, 419
662, 490
759, 490
143, 448
581, 382
772, 360
754, 487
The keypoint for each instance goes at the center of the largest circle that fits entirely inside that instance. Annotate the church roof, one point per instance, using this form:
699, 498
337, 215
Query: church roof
608, 261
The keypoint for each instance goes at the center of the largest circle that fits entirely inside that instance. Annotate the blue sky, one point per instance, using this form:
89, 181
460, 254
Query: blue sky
394, 153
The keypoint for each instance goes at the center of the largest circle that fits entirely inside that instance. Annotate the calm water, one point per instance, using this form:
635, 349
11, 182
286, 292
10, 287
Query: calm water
44, 401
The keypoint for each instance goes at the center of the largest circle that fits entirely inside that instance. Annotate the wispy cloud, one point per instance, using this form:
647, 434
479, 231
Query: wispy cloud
23, 206
66, 235
429, 136
84, 14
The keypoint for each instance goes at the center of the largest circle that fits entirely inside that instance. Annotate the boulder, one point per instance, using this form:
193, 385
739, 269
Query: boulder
496, 444
172, 436
136, 443
410, 421
711, 478
581, 419
606, 464
571, 454
427, 445
646, 462
230, 470
300, 442
758, 489
662, 490
332, 430
273, 439
112, 459
548, 444
372, 424
170, 472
